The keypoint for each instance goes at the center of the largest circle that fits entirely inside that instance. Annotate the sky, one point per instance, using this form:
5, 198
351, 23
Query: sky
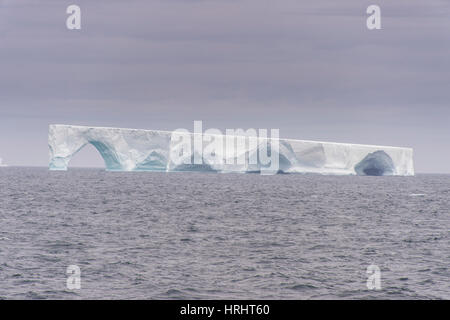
311, 69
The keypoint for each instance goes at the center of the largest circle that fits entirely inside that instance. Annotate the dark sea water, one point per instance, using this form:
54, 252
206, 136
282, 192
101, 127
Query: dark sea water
222, 236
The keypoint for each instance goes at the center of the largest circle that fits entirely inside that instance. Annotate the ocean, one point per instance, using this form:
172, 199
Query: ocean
186, 235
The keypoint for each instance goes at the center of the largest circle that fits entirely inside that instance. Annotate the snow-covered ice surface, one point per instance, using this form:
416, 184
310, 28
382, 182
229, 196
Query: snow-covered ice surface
150, 150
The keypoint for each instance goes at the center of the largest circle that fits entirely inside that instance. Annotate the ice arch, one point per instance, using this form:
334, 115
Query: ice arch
121, 150
110, 159
378, 163
87, 157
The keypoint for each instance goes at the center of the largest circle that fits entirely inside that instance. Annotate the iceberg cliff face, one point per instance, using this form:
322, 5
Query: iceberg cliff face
151, 150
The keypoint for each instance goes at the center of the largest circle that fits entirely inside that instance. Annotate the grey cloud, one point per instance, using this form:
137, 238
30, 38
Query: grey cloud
311, 69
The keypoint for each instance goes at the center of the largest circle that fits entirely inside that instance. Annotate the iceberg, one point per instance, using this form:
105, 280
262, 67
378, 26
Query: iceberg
154, 150
2, 164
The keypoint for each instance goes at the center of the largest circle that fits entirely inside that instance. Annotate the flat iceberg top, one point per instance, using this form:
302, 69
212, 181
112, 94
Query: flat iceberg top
156, 150
285, 139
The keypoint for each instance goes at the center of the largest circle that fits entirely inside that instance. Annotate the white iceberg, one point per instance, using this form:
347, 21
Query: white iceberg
2, 164
151, 150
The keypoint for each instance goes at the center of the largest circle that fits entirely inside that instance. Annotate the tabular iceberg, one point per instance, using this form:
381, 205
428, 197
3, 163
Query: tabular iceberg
153, 150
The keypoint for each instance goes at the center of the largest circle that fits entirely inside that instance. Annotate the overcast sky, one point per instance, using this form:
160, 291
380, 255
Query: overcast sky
310, 68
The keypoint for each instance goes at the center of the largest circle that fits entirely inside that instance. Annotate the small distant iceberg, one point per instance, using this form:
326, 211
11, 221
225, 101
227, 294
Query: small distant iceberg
2, 164
417, 195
